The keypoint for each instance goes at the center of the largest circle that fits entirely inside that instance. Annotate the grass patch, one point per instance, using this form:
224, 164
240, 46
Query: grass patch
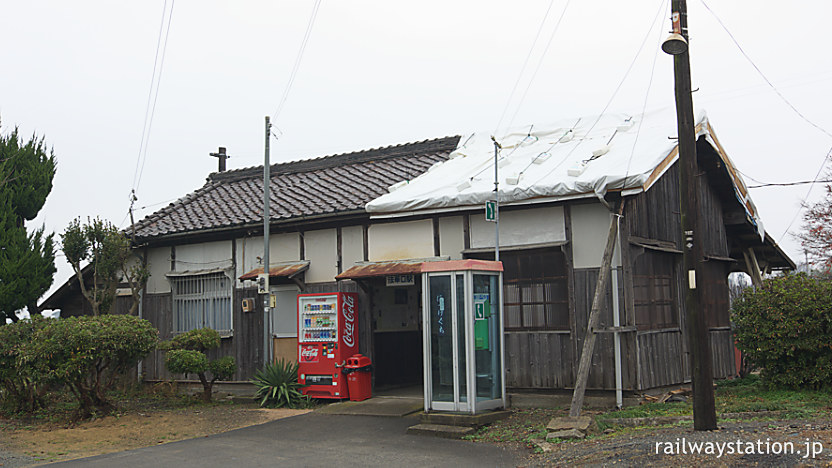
523, 426
750, 394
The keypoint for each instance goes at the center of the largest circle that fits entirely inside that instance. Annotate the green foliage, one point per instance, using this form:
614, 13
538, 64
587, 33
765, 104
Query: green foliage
27, 260
185, 354
24, 387
186, 361
785, 328
200, 339
87, 354
277, 385
108, 253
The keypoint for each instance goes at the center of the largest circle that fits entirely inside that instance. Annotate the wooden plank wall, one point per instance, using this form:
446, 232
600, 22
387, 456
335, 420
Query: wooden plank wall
660, 357
539, 359
602, 370
246, 345
722, 353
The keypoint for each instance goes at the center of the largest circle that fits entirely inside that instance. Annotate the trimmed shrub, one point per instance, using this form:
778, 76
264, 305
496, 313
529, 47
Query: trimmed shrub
277, 385
785, 328
88, 354
23, 387
185, 354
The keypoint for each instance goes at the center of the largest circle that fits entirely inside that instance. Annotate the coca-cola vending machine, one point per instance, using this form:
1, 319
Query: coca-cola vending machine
327, 336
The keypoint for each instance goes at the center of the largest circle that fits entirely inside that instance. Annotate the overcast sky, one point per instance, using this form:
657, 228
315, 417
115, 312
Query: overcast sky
377, 73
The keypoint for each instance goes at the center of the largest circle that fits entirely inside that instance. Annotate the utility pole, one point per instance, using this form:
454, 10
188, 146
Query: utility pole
704, 410
267, 326
497, 148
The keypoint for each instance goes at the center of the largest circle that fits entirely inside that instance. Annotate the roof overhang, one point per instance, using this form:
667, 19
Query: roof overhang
281, 270
415, 267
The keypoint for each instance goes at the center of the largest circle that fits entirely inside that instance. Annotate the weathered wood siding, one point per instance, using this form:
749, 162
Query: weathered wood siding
602, 370
663, 355
246, 344
539, 360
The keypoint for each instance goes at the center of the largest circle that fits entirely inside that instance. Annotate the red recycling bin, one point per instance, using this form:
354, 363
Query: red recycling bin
358, 370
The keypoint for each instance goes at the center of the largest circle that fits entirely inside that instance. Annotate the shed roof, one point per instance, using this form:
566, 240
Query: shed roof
329, 185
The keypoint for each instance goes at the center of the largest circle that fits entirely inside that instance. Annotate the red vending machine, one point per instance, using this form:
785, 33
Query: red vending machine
327, 336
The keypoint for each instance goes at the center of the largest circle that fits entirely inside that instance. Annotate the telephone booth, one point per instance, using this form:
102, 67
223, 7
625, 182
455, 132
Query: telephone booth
462, 312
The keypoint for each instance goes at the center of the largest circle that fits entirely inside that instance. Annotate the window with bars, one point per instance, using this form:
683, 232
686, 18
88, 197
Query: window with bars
654, 291
536, 296
202, 301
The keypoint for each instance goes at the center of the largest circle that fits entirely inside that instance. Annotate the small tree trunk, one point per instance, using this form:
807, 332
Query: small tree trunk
207, 386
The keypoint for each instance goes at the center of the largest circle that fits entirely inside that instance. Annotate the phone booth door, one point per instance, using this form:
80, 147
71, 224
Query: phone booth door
463, 336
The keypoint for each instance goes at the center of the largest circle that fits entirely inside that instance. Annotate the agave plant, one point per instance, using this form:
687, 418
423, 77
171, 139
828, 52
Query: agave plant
277, 385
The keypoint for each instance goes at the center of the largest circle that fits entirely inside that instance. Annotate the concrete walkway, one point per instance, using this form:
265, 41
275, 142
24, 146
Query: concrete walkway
313, 439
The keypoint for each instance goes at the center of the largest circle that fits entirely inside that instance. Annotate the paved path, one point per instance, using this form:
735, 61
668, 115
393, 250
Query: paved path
313, 440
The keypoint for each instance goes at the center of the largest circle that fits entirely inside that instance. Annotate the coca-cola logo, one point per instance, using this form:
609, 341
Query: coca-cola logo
309, 354
348, 311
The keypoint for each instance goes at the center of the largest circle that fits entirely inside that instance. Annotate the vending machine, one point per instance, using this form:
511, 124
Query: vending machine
327, 336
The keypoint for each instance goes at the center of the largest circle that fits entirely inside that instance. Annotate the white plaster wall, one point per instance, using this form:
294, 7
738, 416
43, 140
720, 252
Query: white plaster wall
521, 227
451, 237
352, 246
282, 248
321, 250
590, 226
158, 262
399, 241
203, 256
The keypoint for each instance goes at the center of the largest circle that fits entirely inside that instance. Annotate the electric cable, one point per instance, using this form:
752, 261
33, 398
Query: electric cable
539, 63
525, 64
150, 92
760, 72
808, 192
614, 94
156, 94
298, 59
644, 104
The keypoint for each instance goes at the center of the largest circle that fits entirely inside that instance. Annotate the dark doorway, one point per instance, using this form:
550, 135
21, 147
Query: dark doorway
397, 335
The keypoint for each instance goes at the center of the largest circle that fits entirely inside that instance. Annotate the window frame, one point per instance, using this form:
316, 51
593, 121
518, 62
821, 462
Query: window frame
197, 291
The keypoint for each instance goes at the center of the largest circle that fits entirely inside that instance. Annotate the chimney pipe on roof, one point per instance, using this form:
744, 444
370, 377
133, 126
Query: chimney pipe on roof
220, 154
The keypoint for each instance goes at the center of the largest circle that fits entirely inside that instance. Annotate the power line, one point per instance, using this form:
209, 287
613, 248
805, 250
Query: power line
808, 192
644, 105
156, 95
150, 92
298, 59
539, 64
770, 84
614, 94
789, 184
525, 63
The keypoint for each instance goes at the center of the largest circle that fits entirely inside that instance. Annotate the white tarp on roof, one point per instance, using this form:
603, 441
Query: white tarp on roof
573, 158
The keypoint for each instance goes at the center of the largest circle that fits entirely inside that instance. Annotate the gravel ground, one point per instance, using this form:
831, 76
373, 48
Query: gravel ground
658, 447
9, 459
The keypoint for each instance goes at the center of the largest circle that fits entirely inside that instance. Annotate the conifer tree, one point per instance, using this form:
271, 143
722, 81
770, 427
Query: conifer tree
27, 259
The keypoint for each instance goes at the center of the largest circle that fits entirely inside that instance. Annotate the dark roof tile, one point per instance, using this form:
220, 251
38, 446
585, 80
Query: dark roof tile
327, 185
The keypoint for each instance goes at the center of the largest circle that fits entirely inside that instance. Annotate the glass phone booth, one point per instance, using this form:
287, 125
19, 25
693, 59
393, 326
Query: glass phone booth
463, 335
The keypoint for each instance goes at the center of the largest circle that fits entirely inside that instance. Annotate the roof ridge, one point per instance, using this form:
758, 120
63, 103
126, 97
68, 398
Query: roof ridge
448, 143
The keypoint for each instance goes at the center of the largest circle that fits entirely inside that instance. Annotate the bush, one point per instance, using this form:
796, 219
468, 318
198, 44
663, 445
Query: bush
23, 387
277, 385
785, 328
88, 354
185, 354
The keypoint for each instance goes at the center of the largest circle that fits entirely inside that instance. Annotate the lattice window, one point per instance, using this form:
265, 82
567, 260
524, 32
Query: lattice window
654, 291
202, 301
535, 289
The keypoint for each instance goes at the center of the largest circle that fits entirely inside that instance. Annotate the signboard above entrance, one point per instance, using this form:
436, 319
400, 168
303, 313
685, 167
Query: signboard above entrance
400, 280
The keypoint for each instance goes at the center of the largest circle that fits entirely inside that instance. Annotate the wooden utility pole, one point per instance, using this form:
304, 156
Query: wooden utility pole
704, 410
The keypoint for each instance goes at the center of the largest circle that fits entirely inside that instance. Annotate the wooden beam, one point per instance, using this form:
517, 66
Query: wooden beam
753, 268
594, 313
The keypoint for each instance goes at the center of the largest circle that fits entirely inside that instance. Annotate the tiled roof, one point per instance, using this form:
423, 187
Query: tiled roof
312, 187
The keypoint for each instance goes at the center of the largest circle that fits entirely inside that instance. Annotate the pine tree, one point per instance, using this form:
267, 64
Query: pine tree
27, 260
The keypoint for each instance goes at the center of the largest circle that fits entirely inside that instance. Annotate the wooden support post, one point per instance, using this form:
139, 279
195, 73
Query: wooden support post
594, 313
753, 267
